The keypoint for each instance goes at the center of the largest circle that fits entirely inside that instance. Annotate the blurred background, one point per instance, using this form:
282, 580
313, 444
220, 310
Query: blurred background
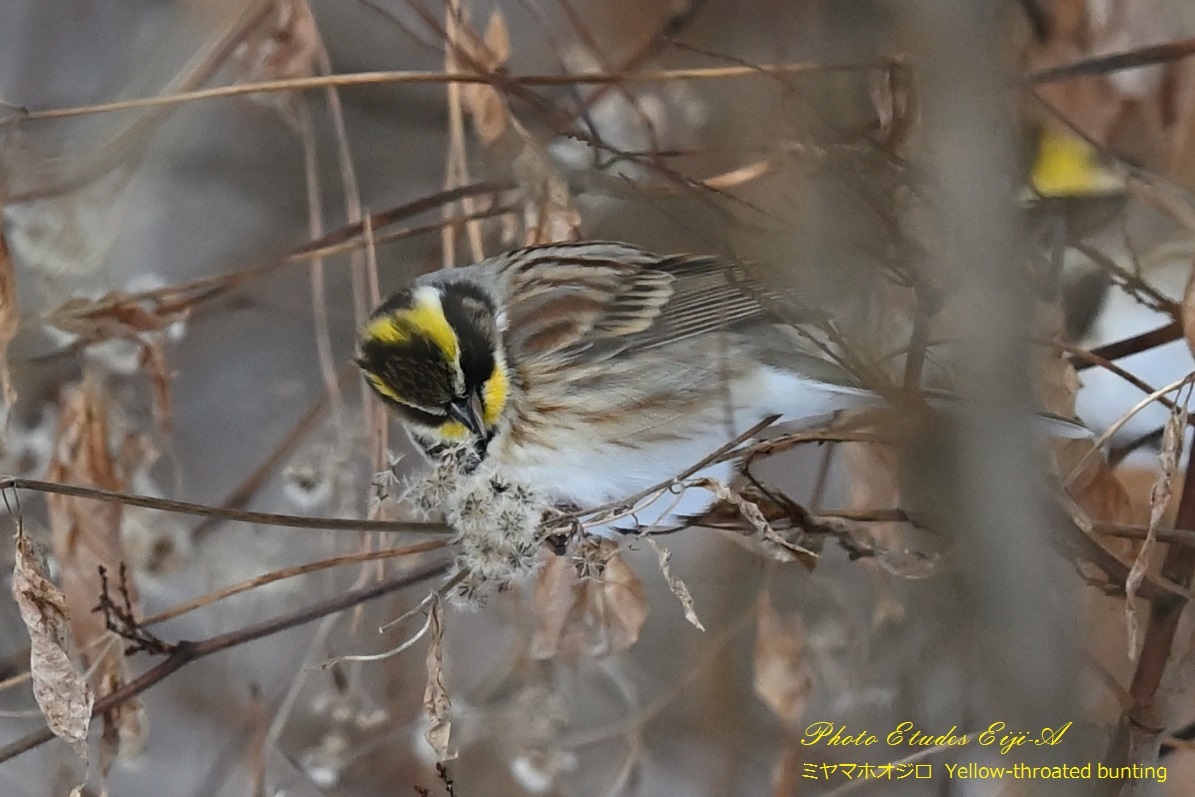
978, 195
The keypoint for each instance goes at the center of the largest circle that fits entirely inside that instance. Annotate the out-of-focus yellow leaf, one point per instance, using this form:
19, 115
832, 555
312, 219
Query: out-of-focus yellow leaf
1067, 166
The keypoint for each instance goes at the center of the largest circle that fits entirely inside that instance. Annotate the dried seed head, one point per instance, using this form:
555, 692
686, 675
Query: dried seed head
471, 512
470, 592
498, 524
307, 485
431, 494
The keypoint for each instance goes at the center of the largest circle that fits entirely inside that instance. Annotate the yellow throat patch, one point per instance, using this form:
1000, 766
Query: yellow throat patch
493, 399
495, 392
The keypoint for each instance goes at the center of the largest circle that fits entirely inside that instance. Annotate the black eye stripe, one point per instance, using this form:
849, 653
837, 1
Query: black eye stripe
471, 315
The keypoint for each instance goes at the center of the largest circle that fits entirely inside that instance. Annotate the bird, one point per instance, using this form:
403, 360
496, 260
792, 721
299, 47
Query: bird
592, 370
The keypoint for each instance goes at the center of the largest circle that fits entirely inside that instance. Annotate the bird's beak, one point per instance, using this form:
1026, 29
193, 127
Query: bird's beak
468, 412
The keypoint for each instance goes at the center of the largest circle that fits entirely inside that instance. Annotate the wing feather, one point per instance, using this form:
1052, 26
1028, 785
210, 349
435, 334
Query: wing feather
597, 300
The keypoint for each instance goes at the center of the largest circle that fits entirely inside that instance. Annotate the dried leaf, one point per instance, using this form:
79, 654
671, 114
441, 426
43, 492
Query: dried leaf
285, 45
497, 41
153, 362
10, 318
873, 479
1139, 482
67, 236
892, 97
1188, 310
782, 678
488, 110
775, 544
663, 555
62, 693
549, 214
587, 614
484, 103
1159, 501
724, 516
1168, 461
1097, 489
119, 316
437, 707
740, 176
86, 535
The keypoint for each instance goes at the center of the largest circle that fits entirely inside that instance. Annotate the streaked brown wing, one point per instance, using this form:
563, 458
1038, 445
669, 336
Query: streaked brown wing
708, 295
603, 299
562, 295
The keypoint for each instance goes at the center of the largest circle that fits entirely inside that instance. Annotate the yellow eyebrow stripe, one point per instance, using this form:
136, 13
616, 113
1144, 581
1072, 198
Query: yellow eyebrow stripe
384, 330
424, 318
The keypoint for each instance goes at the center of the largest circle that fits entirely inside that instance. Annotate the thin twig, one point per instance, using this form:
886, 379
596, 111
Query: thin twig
456, 166
186, 652
586, 37
128, 142
245, 491
417, 77
672, 27
1090, 358
1115, 62
1164, 616
239, 515
1132, 284
1133, 345
1107, 435
1090, 545
1178, 536
291, 572
315, 227
183, 296
712, 458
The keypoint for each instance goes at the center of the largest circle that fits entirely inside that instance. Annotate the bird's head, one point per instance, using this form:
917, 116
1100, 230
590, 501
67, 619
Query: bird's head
434, 353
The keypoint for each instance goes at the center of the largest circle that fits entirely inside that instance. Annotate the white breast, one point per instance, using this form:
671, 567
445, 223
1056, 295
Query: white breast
583, 470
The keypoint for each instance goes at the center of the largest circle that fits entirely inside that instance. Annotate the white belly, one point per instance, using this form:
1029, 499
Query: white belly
587, 472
